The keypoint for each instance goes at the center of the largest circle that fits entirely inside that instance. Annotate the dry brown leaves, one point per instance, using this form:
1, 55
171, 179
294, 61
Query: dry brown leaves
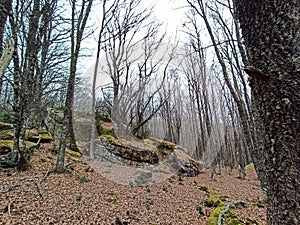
97, 200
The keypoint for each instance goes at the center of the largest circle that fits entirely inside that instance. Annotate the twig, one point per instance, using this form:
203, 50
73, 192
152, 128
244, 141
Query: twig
39, 183
14, 185
8, 209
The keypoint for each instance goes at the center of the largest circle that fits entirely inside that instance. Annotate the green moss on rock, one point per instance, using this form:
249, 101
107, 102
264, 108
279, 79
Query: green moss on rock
106, 131
73, 153
6, 135
109, 138
5, 126
8, 145
35, 135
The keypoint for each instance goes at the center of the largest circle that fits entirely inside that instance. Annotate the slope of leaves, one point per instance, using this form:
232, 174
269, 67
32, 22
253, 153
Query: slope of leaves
93, 199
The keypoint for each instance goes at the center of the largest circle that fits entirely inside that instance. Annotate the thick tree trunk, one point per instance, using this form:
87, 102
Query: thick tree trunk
271, 32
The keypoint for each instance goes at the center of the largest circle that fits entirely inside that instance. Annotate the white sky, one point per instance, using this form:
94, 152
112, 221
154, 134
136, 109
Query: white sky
170, 12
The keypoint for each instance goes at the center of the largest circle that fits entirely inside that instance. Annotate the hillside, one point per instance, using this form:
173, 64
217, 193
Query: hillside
83, 196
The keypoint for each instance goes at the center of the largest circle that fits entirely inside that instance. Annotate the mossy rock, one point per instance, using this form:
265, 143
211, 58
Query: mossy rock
5, 126
143, 176
35, 135
106, 131
7, 134
7, 145
109, 138
73, 153
250, 166
166, 145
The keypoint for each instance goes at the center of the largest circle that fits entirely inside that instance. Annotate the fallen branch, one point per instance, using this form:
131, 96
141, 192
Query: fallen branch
227, 209
14, 185
39, 183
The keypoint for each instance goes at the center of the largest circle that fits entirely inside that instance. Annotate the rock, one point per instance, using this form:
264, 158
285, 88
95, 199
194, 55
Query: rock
5, 126
36, 135
185, 164
143, 177
7, 134
152, 155
54, 120
135, 153
73, 153
7, 146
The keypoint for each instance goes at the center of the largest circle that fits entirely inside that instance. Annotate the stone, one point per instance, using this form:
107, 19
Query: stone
143, 177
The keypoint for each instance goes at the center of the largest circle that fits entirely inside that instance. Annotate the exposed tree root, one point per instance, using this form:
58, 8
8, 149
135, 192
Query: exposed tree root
39, 183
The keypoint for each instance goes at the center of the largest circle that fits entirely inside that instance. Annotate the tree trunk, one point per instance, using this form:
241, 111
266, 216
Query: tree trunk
5, 7
271, 33
68, 108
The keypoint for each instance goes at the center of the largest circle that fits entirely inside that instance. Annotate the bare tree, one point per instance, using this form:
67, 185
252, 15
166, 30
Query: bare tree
78, 24
131, 46
231, 73
28, 27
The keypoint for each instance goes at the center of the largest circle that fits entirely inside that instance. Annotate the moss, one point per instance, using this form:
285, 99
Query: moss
42, 135
235, 222
4, 126
106, 131
73, 153
214, 201
113, 199
213, 218
45, 136
6, 135
8, 144
250, 166
109, 138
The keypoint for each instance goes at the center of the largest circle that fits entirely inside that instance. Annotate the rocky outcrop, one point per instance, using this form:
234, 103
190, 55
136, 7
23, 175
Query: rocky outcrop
54, 120
33, 137
151, 154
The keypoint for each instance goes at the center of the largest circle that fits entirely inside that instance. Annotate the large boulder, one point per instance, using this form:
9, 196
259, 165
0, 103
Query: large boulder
54, 120
151, 154
36, 135
6, 146
129, 151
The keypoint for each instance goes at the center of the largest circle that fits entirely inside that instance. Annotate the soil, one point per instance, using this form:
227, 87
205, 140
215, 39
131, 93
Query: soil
85, 195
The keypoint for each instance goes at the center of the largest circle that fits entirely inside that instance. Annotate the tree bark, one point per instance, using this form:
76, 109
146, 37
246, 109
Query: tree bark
5, 8
271, 34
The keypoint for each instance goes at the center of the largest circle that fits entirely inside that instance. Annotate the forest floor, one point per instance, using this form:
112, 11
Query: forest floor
83, 196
